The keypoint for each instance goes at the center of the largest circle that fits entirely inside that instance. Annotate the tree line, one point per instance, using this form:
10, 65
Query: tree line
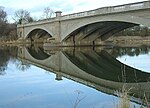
8, 31
135, 31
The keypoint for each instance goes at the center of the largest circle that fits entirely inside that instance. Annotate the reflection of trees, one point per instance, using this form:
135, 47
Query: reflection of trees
4, 57
118, 51
2, 69
10, 53
22, 65
6, 53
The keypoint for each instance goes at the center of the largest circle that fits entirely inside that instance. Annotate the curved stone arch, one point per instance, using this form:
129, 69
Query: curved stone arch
76, 24
106, 28
38, 28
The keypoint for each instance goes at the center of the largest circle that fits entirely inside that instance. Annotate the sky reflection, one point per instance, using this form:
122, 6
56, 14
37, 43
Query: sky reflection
141, 62
36, 88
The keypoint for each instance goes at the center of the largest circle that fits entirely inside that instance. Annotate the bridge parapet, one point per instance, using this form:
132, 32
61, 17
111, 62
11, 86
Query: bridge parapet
45, 21
110, 9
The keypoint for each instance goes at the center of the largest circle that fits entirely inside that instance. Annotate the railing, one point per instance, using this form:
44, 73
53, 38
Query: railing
111, 9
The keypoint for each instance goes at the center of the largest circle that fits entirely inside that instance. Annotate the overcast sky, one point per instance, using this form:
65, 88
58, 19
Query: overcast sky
36, 7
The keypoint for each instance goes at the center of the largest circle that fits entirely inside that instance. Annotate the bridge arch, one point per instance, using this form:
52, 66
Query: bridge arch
100, 29
38, 33
125, 19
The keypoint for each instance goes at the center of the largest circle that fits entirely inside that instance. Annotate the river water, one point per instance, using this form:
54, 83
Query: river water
100, 77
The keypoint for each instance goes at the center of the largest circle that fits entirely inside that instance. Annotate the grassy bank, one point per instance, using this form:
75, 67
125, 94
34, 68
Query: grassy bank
116, 40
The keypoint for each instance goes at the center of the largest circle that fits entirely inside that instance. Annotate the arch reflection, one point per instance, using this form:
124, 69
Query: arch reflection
93, 67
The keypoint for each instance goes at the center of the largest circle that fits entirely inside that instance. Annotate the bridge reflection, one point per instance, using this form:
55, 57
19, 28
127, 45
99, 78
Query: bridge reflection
92, 67
37, 53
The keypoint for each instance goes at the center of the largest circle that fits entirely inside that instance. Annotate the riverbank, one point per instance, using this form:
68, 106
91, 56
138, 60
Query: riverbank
130, 40
115, 41
14, 42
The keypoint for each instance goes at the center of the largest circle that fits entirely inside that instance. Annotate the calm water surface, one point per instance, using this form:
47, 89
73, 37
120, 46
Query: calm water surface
73, 78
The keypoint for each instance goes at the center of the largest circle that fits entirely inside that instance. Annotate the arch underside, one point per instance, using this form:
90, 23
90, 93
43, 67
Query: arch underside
38, 35
96, 32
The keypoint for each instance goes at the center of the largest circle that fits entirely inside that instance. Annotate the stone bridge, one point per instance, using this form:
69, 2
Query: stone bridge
86, 28
96, 69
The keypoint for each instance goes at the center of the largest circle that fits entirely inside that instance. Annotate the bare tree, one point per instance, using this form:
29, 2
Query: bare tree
3, 14
7, 31
3, 21
48, 12
22, 15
